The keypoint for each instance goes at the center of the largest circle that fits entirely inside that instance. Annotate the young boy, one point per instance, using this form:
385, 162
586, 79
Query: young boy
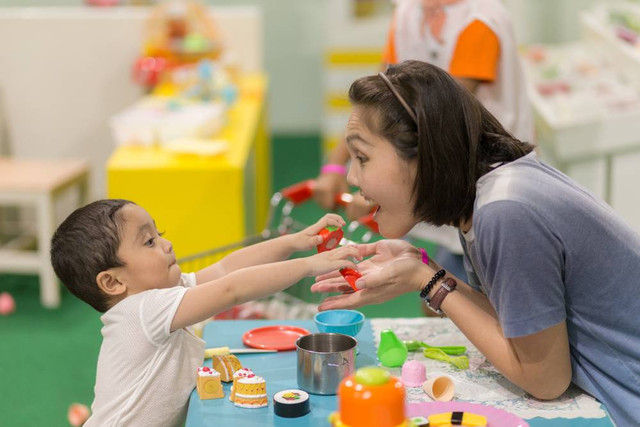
110, 255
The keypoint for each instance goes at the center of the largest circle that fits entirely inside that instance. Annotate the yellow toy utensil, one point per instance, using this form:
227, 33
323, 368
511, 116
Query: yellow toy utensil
457, 419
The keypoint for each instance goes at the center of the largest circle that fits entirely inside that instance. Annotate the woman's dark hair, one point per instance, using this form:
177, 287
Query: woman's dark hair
85, 244
455, 139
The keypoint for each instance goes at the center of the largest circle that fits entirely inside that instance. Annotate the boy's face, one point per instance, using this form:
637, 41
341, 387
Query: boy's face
149, 259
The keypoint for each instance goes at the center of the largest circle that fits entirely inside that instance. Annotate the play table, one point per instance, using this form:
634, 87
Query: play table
279, 371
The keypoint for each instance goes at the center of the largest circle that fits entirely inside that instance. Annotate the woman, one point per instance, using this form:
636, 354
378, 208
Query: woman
552, 270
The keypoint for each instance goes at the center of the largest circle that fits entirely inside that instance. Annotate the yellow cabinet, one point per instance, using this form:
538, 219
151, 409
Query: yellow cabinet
203, 202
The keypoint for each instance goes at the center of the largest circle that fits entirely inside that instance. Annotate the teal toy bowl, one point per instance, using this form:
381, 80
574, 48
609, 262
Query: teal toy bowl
347, 322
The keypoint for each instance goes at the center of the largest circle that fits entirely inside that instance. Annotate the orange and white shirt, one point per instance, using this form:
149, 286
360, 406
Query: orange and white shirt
471, 39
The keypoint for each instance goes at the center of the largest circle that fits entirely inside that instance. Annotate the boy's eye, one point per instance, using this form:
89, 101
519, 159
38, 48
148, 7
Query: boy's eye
160, 233
150, 242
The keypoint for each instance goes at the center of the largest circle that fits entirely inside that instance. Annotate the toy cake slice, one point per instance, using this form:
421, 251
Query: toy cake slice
208, 383
240, 373
227, 365
250, 392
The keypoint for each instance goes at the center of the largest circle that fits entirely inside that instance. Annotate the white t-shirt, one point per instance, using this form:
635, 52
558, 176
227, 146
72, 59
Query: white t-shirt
146, 373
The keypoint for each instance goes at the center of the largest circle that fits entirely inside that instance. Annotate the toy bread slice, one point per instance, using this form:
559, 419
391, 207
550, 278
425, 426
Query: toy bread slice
227, 365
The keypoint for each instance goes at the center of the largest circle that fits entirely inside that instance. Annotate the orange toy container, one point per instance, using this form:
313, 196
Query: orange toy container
372, 398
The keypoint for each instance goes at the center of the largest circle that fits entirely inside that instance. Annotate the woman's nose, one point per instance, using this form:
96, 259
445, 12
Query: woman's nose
351, 177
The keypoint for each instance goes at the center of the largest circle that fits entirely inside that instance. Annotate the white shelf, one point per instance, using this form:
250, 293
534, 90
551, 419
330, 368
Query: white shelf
596, 32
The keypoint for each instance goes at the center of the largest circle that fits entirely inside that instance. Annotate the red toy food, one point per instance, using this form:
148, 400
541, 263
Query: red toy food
331, 237
350, 275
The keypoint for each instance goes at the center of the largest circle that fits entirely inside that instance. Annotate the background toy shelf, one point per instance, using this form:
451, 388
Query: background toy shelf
601, 150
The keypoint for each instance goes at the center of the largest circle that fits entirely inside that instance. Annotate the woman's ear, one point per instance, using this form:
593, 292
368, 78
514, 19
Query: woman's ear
109, 283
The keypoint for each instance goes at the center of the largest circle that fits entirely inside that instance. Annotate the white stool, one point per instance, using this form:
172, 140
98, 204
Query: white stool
38, 183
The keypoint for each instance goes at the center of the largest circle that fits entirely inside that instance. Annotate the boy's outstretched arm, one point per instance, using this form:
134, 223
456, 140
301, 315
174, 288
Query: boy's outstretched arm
269, 251
203, 301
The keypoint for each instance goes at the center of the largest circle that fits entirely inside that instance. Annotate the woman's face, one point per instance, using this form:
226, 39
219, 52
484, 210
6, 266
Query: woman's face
382, 176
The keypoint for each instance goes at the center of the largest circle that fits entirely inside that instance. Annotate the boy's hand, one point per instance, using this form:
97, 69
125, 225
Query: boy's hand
333, 260
308, 238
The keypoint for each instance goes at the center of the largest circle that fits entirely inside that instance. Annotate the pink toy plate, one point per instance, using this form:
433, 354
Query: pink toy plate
495, 416
277, 337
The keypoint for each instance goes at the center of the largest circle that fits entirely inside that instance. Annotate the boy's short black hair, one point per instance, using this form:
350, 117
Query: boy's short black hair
455, 139
85, 244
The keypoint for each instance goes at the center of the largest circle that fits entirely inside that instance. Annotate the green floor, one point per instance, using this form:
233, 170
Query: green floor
48, 357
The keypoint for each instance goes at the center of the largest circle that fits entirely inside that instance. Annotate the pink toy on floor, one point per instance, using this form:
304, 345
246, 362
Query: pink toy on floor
7, 304
78, 414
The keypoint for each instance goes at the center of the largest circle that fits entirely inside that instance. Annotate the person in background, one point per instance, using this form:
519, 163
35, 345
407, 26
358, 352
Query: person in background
110, 255
552, 270
474, 41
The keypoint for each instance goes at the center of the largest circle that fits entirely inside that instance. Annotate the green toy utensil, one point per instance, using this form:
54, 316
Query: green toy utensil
392, 352
453, 350
460, 362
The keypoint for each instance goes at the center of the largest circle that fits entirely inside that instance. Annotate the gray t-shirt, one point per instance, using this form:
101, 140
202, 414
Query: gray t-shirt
545, 250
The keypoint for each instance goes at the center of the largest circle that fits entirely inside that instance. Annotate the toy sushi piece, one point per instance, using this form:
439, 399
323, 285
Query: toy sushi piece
457, 419
227, 365
291, 403
419, 422
208, 383
331, 237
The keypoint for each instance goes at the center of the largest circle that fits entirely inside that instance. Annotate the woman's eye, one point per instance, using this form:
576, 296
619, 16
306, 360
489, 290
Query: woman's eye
361, 160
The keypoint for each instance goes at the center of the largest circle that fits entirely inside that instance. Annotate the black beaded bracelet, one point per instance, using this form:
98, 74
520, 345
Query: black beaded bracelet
439, 275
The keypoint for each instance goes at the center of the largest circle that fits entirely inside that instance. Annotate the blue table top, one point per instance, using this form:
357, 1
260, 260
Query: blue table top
279, 371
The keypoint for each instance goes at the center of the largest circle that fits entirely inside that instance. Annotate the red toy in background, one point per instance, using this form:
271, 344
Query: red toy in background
148, 69
303, 191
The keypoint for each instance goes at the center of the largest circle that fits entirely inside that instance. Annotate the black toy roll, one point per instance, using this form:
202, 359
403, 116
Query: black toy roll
291, 403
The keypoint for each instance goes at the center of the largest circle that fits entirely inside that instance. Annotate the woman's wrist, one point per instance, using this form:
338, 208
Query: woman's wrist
422, 276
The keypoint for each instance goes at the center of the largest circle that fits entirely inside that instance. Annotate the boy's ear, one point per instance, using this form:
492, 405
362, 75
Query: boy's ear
109, 284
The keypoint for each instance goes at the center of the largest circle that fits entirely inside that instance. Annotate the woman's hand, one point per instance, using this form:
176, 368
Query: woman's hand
333, 260
308, 238
395, 268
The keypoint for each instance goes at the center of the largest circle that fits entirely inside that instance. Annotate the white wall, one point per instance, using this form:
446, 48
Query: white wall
547, 21
294, 32
65, 71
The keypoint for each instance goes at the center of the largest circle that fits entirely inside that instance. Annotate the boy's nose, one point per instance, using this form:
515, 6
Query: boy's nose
168, 246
